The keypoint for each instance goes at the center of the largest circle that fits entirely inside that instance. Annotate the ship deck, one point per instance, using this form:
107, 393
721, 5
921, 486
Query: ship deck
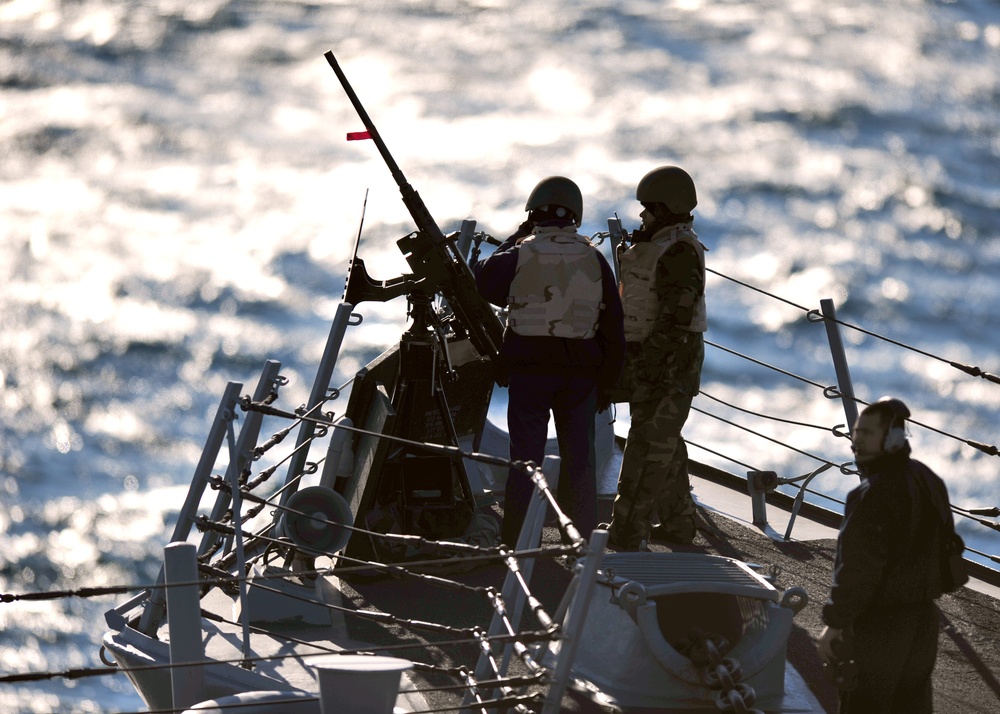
725, 528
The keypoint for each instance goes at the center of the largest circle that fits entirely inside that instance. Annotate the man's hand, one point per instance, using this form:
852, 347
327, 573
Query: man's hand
524, 230
830, 638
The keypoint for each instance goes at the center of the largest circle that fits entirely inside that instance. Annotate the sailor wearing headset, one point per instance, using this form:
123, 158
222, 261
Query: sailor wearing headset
887, 571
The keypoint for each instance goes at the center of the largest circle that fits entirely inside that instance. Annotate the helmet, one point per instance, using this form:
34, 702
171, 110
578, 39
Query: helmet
900, 412
557, 191
670, 185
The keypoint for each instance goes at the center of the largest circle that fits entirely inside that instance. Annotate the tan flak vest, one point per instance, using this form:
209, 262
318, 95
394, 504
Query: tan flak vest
557, 289
638, 282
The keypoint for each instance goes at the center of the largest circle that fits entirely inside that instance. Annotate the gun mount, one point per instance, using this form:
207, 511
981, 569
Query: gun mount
434, 386
438, 266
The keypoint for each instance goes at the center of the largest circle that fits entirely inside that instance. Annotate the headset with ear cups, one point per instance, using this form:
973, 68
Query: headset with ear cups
895, 436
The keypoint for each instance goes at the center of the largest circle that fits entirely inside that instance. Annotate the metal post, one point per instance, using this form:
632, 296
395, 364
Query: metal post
529, 539
189, 510
464, 242
758, 500
187, 682
241, 562
844, 385
574, 622
616, 232
244, 448
318, 394
152, 615
511, 592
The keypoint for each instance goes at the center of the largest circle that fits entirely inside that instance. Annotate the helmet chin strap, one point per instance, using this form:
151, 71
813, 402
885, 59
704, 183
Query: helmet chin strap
662, 218
543, 214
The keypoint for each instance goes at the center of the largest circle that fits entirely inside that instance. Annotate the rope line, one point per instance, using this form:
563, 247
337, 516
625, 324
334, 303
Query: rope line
773, 440
87, 672
746, 466
751, 468
772, 367
970, 370
771, 417
760, 290
970, 514
363, 566
832, 392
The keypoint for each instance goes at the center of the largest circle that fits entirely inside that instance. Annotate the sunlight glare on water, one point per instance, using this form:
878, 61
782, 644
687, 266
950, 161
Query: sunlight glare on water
180, 203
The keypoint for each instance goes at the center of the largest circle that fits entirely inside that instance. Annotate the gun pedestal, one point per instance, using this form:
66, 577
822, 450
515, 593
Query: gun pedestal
432, 390
435, 496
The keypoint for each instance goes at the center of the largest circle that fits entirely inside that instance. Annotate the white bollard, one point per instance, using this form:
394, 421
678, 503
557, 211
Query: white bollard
358, 684
180, 564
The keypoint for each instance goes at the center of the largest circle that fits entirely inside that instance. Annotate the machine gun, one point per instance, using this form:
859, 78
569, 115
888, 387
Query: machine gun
438, 266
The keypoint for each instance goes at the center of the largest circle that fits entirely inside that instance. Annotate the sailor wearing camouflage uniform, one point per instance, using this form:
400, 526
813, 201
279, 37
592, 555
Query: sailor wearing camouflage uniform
563, 348
663, 295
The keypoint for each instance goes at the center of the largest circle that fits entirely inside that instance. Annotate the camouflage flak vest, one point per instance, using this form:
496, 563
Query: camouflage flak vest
556, 290
638, 282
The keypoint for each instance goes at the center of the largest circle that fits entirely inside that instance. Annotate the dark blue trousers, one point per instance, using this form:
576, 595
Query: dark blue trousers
895, 649
573, 403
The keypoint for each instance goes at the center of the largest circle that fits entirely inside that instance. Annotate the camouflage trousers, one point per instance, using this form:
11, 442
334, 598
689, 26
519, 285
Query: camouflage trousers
654, 474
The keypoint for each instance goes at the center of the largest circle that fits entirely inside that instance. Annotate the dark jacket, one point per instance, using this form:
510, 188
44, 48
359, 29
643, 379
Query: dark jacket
889, 547
600, 357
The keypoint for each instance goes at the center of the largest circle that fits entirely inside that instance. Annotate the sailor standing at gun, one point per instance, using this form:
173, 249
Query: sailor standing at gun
563, 347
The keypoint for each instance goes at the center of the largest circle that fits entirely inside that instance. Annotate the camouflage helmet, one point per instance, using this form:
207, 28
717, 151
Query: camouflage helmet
669, 185
557, 191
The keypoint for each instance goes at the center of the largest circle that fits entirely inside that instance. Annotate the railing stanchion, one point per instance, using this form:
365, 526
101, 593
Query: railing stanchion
844, 384
153, 612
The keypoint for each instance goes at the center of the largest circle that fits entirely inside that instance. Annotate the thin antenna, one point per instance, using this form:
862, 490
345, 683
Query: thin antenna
361, 225
357, 245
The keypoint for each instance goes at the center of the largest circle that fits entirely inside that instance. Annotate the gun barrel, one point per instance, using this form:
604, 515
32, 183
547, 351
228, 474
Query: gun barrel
397, 174
414, 204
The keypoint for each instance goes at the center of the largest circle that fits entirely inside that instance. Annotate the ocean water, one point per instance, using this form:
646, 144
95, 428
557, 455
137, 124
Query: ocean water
178, 204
